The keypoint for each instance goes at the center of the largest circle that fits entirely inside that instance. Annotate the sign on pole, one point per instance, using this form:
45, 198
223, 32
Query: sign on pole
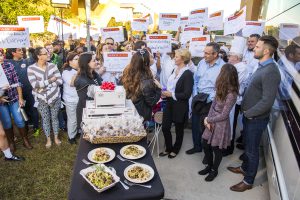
235, 22
215, 21
288, 31
159, 42
116, 61
34, 23
58, 26
14, 36
184, 21
198, 17
189, 33
198, 44
253, 27
114, 32
139, 24
169, 21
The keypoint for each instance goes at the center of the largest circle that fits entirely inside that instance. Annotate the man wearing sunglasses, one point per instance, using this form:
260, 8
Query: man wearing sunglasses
110, 44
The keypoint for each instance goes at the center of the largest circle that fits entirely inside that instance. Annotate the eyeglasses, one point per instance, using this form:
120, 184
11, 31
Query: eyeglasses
109, 43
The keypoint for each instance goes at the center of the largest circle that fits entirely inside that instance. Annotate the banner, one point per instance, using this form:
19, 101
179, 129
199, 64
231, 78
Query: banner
253, 27
14, 36
3, 78
116, 61
235, 22
58, 26
94, 32
198, 44
184, 21
215, 21
159, 43
34, 23
169, 21
288, 31
189, 33
114, 32
198, 17
139, 24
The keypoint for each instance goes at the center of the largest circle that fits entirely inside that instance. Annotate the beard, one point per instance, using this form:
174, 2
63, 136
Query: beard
259, 56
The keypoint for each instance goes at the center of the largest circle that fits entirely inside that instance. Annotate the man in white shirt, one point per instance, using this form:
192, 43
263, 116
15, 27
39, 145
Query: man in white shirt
248, 55
235, 58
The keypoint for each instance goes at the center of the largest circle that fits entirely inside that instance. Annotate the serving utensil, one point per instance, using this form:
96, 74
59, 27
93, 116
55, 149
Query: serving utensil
123, 159
132, 184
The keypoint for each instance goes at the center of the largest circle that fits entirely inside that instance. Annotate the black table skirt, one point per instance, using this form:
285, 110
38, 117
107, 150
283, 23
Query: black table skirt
82, 190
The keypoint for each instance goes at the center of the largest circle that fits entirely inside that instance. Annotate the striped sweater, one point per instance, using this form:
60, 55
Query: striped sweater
42, 87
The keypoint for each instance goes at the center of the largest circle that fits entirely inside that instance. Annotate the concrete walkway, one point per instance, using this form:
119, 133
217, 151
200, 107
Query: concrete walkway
182, 182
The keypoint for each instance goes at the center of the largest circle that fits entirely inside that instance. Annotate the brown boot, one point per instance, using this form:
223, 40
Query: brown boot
24, 133
11, 139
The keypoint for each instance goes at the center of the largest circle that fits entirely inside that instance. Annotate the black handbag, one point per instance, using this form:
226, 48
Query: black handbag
199, 101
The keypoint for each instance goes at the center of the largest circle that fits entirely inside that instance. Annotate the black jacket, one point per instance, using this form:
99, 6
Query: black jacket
177, 110
81, 83
148, 98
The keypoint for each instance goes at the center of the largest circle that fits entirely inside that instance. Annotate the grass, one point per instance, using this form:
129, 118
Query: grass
45, 174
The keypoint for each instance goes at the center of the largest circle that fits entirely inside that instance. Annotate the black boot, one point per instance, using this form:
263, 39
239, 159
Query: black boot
24, 133
205, 171
211, 176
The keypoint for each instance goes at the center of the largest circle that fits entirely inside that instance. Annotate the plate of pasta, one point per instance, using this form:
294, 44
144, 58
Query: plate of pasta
101, 155
133, 151
139, 173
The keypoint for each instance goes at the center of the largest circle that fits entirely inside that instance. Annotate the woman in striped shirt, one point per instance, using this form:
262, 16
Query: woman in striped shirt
45, 79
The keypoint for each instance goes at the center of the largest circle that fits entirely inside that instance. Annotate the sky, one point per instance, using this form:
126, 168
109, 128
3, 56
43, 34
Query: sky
184, 6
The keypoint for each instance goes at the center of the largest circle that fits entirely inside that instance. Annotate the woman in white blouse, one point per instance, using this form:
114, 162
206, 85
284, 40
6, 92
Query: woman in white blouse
70, 96
179, 89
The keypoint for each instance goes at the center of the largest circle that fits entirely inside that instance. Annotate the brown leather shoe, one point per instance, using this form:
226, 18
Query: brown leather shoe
236, 170
240, 187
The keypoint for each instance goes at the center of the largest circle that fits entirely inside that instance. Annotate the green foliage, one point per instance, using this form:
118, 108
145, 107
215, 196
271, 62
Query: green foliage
11, 9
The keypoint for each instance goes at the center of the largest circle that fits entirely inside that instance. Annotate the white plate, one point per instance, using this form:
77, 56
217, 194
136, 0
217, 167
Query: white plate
130, 156
106, 169
147, 167
111, 153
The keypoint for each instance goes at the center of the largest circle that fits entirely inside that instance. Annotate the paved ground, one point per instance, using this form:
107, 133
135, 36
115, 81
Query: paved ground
182, 182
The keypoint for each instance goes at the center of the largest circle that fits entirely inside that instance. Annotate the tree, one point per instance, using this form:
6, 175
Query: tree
11, 9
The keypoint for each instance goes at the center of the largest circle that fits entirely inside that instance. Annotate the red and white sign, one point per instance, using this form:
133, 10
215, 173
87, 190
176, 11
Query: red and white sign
34, 23
189, 33
58, 26
235, 22
116, 61
215, 21
288, 31
159, 42
253, 27
139, 24
198, 44
14, 36
94, 32
198, 17
184, 21
169, 21
114, 32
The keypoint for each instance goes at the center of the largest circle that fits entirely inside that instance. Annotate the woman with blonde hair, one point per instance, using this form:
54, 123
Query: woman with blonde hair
179, 90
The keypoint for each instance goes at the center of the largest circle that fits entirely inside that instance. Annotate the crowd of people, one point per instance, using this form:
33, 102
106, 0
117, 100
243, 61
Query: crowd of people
213, 93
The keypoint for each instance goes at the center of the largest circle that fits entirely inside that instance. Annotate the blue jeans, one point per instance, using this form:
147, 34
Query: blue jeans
253, 130
196, 132
11, 109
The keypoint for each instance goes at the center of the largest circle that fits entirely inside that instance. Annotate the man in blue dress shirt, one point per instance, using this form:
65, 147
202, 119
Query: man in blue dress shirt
205, 77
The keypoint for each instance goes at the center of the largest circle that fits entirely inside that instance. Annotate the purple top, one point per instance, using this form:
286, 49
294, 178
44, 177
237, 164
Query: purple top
13, 79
